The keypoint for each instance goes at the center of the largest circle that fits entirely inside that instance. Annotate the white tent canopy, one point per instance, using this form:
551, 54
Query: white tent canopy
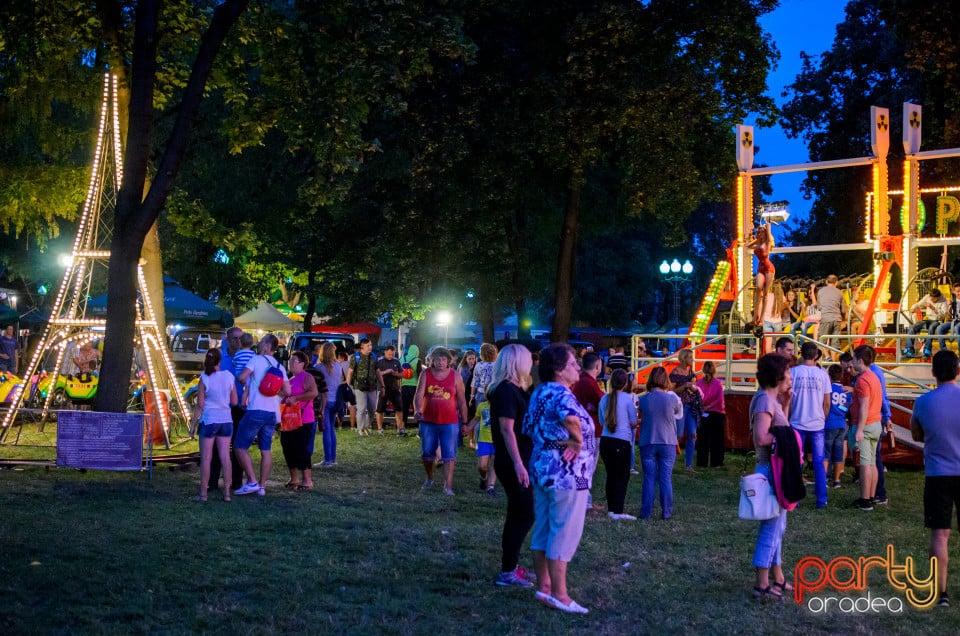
265, 318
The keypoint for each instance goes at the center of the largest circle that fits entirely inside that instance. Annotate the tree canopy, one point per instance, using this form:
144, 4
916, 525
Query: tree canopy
388, 158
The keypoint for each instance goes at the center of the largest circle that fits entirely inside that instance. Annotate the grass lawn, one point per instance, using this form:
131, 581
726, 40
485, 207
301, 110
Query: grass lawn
368, 552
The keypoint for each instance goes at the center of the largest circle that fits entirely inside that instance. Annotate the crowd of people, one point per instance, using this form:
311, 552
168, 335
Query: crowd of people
540, 423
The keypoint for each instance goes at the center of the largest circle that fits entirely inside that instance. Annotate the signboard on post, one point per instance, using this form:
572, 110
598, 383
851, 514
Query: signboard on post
100, 441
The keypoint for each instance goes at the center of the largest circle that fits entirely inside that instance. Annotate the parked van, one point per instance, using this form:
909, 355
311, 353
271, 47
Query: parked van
188, 348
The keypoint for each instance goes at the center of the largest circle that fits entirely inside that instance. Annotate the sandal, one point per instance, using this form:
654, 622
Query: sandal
291, 485
199, 499
764, 593
784, 586
302, 488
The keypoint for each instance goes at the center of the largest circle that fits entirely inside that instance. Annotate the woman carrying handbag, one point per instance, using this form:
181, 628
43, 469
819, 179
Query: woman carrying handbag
770, 407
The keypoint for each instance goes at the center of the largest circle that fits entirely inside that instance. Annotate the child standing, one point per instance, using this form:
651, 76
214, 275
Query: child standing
479, 427
835, 427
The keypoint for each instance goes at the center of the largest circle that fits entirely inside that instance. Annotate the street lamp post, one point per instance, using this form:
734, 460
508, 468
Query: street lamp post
443, 320
676, 274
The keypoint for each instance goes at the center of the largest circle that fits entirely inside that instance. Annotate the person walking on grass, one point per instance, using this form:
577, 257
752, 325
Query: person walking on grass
441, 409
391, 373
362, 375
508, 398
770, 408
684, 381
865, 415
835, 427
619, 416
260, 421
808, 415
710, 443
332, 372
231, 346
934, 423
296, 443
480, 429
561, 470
661, 410
216, 395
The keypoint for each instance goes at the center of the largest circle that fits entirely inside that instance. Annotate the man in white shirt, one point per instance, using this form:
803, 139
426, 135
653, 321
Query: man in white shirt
260, 420
936, 309
811, 403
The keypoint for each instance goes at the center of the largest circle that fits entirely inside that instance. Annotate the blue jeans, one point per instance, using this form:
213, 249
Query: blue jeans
944, 329
330, 432
442, 435
311, 439
256, 426
930, 326
770, 537
800, 328
819, 472
657, 461
833, 439
688, 426
881, 491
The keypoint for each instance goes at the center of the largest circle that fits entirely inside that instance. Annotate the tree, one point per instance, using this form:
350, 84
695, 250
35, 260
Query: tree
657, 83
135, 212
829, 108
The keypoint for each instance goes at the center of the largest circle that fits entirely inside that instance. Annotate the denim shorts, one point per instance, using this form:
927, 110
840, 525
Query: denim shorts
256, 425
222, 429
833, 439
443, 435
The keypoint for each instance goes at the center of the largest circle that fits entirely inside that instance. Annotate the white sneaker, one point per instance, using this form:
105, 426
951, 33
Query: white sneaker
448, 491
626, 517
247, 489
262, 492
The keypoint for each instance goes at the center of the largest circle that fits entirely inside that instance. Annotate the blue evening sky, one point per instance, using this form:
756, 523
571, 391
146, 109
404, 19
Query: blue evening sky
796, 26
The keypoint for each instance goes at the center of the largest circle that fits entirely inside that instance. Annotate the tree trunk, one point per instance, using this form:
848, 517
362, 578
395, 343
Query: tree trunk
523, 325
114, 383
311, 300
136, 212
487, 322
518, 241
566, 261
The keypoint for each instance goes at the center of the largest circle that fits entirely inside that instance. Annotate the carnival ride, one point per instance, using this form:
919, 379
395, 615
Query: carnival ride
879, 321
68, 326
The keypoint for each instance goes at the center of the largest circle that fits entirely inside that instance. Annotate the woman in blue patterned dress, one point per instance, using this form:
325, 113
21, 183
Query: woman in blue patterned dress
561, 471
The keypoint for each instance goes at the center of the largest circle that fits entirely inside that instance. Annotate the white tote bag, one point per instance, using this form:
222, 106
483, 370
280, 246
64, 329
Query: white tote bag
758, 502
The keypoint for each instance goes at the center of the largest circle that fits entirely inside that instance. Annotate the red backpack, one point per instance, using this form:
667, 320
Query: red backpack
272, 380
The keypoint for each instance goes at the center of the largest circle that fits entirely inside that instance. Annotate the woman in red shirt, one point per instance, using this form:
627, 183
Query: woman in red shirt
440, 407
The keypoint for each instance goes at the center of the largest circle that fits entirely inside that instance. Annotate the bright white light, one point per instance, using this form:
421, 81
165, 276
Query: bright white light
687, 267
675, 266
65, 260
443, 318
664, 267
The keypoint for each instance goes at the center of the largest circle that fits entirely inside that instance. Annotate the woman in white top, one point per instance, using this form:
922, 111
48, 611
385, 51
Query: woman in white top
619, 416
217, 393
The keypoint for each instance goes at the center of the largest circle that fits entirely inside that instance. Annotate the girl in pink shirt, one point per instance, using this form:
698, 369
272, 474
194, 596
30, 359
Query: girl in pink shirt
710, 442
